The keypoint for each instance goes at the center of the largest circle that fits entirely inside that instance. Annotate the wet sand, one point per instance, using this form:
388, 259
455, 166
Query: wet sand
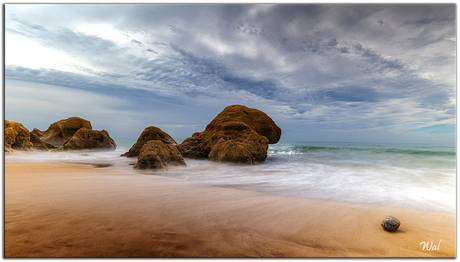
70, 210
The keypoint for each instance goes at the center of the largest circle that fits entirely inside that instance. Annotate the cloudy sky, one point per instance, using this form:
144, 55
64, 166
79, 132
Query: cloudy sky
326, 72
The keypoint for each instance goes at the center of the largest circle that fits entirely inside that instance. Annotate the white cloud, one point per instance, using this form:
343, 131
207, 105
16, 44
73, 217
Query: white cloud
105, 31
20, 50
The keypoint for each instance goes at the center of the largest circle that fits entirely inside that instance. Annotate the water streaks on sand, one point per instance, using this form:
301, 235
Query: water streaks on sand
108, 213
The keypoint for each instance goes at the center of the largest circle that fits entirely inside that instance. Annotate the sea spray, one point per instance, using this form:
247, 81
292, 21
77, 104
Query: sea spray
406, 175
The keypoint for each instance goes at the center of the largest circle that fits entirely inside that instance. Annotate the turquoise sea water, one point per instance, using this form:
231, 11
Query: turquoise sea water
419, 176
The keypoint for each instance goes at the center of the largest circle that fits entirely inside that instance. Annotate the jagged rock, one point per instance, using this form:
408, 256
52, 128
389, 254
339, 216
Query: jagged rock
150, 133
16, 137
39, 144
61, 131
157, 155
238, 134
390, 224
90, 139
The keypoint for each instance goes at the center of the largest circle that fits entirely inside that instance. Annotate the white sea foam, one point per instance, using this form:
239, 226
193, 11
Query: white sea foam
91, 157
416, 176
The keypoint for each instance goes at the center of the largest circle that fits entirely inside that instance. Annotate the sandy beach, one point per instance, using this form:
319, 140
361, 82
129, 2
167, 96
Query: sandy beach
70, 210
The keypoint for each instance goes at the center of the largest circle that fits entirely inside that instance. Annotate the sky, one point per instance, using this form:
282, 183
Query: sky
322, 72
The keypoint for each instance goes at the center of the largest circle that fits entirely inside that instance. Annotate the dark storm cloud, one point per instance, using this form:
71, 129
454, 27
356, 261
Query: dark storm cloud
427, 21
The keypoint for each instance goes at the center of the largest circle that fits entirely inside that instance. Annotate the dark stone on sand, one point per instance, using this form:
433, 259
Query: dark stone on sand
149, 133
102, 165
157, 155
390, 224
237, 135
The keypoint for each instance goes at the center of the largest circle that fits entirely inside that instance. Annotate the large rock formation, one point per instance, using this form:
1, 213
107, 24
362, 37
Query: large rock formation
238, 134
68, 134
254, 118
90, 139
150, 133
157, 155
61, 131
16, 137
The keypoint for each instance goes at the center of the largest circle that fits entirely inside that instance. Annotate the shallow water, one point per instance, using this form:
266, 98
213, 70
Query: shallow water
405, 175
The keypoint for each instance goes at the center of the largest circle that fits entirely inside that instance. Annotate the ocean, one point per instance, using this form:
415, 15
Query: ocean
421, 176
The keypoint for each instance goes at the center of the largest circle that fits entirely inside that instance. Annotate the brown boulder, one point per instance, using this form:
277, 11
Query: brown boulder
61, 131
157, 155
254, 118
16, 137
90, 139
238, 134
150, 133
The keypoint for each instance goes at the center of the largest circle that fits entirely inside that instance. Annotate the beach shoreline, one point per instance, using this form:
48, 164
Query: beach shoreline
75, 210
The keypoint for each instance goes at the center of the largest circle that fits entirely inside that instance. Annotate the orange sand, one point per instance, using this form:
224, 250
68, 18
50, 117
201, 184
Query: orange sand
69, 210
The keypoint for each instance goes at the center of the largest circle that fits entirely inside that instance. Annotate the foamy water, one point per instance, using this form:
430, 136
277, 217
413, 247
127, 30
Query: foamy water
416, 176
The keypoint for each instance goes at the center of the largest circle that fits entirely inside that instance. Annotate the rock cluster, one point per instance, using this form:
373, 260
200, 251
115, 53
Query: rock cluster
61, 131
68, 134
238, 135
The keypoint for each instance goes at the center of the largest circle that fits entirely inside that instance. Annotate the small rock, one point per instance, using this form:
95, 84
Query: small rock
390, 224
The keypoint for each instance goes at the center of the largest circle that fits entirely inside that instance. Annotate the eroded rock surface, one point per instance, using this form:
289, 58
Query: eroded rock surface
39, 144
61, 131
90, 139
17, 137
157, 155
150, 133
